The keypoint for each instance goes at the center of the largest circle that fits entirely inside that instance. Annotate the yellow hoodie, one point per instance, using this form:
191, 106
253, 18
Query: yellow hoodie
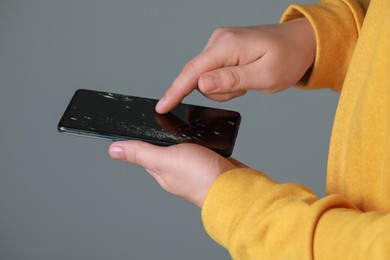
255, 217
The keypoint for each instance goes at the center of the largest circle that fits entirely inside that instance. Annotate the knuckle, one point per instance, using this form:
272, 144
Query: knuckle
137, 154
233, 77
136, 157
217, 31
189, 68
227, 36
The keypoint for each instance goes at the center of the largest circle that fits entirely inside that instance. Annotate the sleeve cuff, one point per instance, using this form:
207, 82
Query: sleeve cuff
229, 197
337, 25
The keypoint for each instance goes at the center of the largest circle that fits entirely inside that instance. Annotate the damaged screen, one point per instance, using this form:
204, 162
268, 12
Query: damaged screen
119, 117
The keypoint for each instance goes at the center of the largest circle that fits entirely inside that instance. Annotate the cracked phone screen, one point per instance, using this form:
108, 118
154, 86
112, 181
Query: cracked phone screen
120, 117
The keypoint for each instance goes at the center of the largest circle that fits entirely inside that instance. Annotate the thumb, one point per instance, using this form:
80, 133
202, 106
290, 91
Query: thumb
138, 152
229, 79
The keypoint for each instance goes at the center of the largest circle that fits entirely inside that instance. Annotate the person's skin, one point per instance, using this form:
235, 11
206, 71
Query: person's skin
267, 58
185, 170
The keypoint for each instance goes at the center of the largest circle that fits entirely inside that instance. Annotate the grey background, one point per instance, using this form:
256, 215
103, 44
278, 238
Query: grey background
62, 197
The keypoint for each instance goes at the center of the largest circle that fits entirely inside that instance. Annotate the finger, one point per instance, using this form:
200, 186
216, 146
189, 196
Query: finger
210, 59
232, 79
225, 97
140, 153
217, 32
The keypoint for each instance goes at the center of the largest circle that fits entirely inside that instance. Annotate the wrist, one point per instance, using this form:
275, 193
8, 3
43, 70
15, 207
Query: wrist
303, 38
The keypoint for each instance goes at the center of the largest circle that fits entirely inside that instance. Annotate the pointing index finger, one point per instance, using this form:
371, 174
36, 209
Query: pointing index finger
187, 81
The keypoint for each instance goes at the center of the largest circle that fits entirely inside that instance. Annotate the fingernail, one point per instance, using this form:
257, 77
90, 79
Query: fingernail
116, 152
207, 83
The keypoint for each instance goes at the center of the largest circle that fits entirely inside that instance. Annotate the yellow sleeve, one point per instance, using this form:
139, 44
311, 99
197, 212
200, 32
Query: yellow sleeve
256, 218
337, 25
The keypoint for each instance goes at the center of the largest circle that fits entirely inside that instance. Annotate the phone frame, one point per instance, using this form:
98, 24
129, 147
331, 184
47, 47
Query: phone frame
62, 128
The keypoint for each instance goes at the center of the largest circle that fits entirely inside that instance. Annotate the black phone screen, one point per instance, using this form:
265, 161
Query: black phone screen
120, 117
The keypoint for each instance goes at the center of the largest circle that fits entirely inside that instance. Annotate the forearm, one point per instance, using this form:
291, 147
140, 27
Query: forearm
257, 218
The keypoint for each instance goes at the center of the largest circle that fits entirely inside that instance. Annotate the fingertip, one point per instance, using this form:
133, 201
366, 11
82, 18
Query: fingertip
119, 150
168, 102
160, 106
116, 152
138, 152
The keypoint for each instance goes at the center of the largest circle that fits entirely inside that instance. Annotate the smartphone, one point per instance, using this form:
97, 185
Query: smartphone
121, 117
